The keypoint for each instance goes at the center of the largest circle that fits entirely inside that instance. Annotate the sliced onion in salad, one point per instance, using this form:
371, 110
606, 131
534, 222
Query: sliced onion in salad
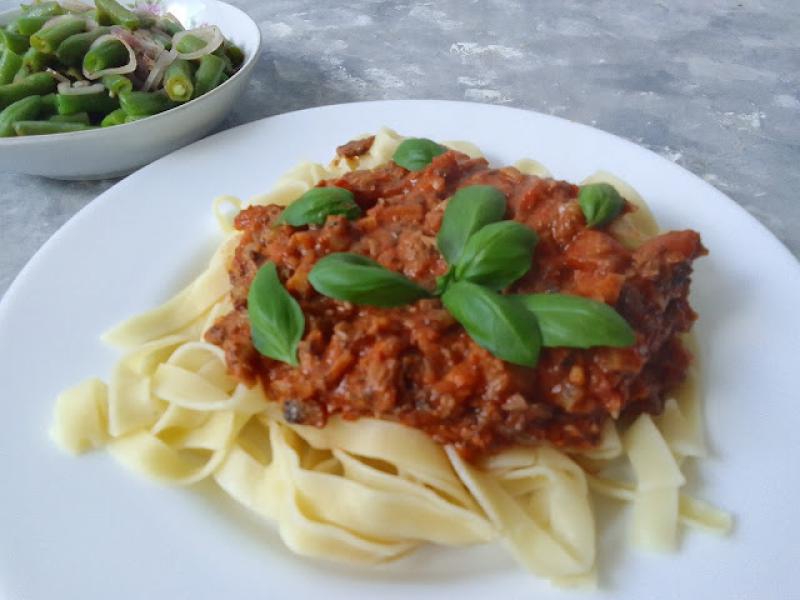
144, 41
211, 35
66, 89
130, 67
164, 60
148, 8
61, 78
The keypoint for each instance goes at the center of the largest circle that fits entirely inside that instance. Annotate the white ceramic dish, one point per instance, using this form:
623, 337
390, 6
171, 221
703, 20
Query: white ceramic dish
111, 152
85, 528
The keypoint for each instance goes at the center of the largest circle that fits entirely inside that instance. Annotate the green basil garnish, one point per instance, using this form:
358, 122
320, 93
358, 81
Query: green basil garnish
600, 203
485, 254
577, 322
361, 280
276, 320
497, 255
415, 154
313, 207
468, 210
498, 323
443, 281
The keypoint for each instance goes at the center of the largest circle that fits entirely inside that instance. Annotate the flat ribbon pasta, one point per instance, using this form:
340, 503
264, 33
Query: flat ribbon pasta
368, 491
184, 308
547, 522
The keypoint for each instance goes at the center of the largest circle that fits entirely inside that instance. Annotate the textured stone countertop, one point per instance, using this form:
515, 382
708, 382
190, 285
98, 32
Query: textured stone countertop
712, 85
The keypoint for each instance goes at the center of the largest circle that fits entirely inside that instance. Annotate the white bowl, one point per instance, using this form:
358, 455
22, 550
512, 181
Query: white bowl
118, 150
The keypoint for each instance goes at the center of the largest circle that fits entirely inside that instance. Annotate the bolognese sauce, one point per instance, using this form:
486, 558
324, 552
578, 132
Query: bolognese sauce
415, 364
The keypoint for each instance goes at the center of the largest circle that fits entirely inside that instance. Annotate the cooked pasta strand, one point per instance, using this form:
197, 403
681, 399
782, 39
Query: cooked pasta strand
369, 491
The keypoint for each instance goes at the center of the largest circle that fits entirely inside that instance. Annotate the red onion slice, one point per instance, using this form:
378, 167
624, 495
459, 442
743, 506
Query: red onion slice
146, 43
57, 76
165, 59
211, 35
130, 67
148, 8
66, 89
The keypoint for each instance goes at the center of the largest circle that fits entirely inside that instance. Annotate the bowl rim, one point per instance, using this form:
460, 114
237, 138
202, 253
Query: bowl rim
247, 66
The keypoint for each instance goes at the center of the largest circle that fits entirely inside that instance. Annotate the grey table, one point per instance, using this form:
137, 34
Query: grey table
712, 85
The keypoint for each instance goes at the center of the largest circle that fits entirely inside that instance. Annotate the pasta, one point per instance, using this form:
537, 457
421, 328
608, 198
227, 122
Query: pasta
171, 412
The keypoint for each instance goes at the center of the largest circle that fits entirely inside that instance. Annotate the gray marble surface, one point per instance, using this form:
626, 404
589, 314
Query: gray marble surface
711, 85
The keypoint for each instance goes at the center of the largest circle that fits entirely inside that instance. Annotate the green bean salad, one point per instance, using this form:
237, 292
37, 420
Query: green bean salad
69, 66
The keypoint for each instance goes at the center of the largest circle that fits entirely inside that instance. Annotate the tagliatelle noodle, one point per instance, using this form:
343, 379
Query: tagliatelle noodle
368, 491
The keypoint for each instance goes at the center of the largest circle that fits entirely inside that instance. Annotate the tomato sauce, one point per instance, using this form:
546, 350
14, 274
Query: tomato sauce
415, 364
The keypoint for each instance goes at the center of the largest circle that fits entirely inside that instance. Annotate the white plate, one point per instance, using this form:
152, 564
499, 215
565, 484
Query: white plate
85, 528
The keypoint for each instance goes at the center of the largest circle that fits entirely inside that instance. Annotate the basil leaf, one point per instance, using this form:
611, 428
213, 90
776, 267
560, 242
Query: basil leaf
313, 207
600, 203
415, 154
498, 323
361, 280
276, 320
577, 322
497, 255
443, 281
468, 210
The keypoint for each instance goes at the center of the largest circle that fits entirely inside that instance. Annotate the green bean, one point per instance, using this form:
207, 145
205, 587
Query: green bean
190, 43
21, 110
178, 82
169, 24
30, 25
146, 21
22, 74
49, 38
99, 102
161, 37
117, 14
47, 127
134, 118
107, 55
14, 41
10, 63
102, 18
49, 104
72, 50
35, 60
220, 53
138, 104
80, 117
43, 9
208, 74
115, 117
117, 84
36, 84
234, 53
